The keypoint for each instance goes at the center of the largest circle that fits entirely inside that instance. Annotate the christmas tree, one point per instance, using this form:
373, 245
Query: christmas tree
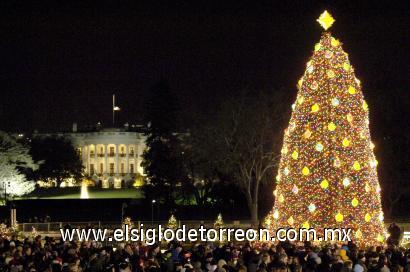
327, 175
172, 222
219, 222
127, 221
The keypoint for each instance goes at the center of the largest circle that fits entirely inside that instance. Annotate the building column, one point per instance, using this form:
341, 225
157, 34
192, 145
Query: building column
106, 159
137, 158
116, 159
127, 156
94, 158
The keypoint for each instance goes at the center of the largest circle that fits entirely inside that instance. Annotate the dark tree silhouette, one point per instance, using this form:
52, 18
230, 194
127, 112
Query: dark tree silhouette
163, 159
60, 159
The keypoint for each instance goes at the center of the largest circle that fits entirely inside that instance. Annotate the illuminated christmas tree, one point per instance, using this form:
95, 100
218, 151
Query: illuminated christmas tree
172, 222
127, 221
219, 222
327, 175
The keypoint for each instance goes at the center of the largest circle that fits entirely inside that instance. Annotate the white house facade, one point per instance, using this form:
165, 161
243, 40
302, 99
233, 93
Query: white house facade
111, 157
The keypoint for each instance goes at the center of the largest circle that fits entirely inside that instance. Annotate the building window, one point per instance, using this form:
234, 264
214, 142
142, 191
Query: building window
101, 152
91, 152
91, 169
111, 151
131, 151
122, 153
111, 169
122, 169
132, 168
101, 168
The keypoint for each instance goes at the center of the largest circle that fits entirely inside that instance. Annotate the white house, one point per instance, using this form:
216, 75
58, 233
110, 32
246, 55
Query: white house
111, 157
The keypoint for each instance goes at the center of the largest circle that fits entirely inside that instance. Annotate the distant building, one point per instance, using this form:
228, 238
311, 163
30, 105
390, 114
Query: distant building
111, 157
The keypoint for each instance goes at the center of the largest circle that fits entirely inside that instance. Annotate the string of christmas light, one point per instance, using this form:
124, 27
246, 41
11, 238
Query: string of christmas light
327, 175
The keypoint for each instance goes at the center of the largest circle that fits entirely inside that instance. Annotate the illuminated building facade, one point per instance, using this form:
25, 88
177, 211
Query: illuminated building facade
111, 157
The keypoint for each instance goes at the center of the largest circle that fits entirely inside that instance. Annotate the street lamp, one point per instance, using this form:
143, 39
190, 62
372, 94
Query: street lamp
5, 185
123, 207
152, 211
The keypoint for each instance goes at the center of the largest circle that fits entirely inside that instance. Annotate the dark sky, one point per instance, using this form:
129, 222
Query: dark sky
60, 63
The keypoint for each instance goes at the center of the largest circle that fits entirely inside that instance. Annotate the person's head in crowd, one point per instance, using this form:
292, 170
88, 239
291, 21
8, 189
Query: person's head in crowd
179, 267
348, 265
125, 267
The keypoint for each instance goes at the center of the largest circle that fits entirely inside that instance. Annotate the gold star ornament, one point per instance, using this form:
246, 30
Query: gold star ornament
325, 20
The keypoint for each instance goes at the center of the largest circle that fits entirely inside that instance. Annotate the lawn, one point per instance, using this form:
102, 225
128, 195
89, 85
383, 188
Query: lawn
75, 192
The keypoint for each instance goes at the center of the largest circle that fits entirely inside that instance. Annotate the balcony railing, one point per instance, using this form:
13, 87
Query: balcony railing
101, 155
122, 154
131, 154
92, 154
111, 154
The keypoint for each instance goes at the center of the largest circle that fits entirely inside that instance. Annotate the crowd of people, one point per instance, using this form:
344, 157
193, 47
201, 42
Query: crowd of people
48, 254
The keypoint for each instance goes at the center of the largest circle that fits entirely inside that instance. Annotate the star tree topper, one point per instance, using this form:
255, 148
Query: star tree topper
325, 20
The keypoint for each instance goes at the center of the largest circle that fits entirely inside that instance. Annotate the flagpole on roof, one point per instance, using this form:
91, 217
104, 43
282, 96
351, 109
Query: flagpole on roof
113, 109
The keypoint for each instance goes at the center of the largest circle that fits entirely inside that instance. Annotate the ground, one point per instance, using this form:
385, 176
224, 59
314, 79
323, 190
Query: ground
75, 192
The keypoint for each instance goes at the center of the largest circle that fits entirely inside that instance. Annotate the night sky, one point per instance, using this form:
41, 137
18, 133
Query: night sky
61, 63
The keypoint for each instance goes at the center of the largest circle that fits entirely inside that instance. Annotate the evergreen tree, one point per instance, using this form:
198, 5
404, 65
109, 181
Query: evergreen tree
172, 222
163, 158
327, 174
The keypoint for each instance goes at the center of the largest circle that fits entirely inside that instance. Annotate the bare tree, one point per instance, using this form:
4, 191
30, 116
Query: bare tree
246, 135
